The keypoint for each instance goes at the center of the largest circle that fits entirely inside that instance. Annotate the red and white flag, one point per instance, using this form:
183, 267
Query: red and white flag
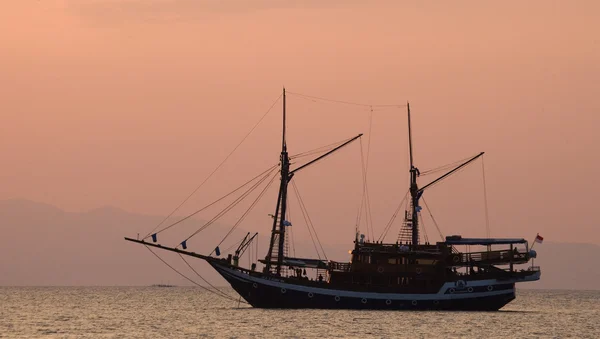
539, 239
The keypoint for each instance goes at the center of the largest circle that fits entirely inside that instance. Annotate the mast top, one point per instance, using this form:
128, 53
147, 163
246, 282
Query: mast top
409, 136
283, 142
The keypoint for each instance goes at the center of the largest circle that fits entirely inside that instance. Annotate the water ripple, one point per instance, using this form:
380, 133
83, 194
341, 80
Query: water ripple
150, 312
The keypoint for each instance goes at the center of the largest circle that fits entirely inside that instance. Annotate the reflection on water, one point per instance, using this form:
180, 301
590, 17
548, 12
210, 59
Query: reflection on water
153, 312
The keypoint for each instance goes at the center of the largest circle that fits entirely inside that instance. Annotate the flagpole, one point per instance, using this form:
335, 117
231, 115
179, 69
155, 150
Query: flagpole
534, 241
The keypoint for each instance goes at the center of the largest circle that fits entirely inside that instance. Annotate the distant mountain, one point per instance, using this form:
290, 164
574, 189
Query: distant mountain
43, 245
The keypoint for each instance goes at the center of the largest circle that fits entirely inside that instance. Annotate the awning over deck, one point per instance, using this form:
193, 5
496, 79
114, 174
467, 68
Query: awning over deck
458, 240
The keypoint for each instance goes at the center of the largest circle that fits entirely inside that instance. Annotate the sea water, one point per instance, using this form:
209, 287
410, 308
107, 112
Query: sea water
190, 312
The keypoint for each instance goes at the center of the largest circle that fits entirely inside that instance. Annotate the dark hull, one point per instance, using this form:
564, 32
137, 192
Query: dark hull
265, 293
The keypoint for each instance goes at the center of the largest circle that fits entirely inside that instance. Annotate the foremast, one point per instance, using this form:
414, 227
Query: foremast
279, 223
277, 244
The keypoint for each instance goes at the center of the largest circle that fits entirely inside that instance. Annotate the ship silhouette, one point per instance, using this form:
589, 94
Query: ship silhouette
404, 275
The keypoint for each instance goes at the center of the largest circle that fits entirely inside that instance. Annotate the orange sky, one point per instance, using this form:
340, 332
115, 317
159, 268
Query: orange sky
132, 103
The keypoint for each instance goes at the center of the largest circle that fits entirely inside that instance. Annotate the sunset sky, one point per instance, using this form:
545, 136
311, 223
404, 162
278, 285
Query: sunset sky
132, 103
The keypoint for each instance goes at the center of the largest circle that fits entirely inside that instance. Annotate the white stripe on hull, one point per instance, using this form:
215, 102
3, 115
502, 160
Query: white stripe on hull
440, 295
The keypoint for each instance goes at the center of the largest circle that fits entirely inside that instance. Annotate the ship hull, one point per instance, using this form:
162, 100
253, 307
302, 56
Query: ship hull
260, 292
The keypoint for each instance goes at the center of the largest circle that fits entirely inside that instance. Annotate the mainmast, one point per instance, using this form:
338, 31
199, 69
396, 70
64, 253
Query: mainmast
414, 188
279, 222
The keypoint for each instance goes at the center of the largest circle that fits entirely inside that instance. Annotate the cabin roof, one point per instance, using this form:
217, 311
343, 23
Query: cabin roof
453, 240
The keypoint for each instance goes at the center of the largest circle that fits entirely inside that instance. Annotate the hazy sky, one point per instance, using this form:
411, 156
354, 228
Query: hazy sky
132, 103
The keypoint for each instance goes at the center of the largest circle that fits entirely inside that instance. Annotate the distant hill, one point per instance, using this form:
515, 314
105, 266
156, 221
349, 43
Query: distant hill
43, 245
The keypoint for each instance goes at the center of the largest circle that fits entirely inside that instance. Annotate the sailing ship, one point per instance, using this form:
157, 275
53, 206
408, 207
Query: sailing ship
403, 275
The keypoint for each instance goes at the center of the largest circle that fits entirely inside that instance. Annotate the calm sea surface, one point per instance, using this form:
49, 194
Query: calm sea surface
180, 312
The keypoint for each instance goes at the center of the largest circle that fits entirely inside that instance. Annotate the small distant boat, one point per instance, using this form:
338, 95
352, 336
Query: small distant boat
403, 275
162, 285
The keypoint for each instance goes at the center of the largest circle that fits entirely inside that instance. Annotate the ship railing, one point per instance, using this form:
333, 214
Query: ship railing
339, 266
495, 256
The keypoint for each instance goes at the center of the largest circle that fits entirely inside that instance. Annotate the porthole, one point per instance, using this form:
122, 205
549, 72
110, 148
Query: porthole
470, 289
283, 290
436, 302
452, 290
490, 288
414, 302
310, 294
255, 285
364, 301
337, 298
388, 302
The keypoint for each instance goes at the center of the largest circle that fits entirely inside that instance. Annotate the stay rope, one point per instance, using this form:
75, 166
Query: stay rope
425, 236
391, 221
454, 174
216, 168
239, 221
433, 219
291, 229
308, 222
368, 200
485, 201
342, 101
235, 244
216, 201
318, 150
189, 279
230, 206
364, 202
201, 277
443, 167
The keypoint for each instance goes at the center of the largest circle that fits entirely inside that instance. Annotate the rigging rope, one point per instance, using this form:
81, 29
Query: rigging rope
363, 197
343, 102
216, 201
321, 149
256, 251
433, 219
368, 200
389, 224
230, 206
260, 195
250, 256
308, 221
291, 229
189, 279
443, 167
201, 277
425, 237
216, 169
485, 202
453, 174
235, 244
